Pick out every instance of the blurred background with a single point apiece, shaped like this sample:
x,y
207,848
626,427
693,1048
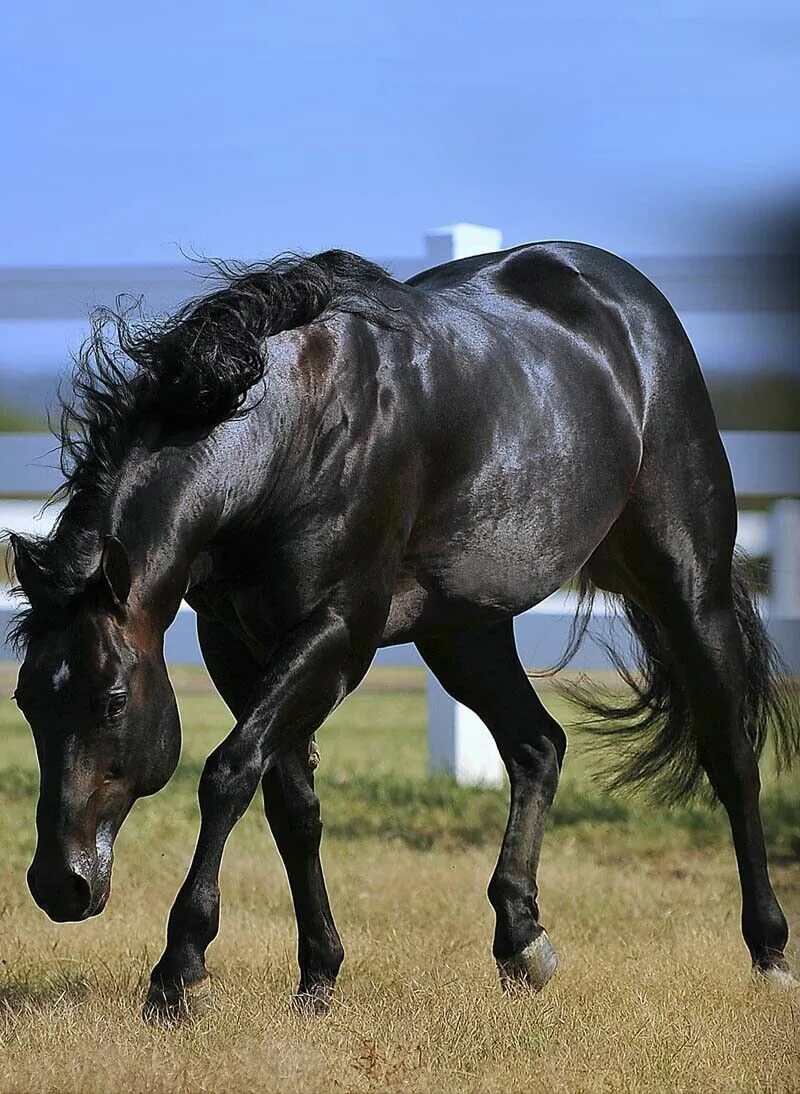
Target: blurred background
x,y
136,142
134,138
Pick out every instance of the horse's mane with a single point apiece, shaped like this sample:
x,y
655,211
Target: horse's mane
x,y
189,371
193,369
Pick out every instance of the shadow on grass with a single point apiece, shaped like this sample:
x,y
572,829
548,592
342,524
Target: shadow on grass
x,y
23,992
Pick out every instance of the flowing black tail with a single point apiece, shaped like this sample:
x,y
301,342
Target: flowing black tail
x,y
655,723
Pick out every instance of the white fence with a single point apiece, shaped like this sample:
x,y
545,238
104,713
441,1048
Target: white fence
x,y
765,465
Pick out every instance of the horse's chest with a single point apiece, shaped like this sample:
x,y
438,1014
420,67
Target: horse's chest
x,y
243,612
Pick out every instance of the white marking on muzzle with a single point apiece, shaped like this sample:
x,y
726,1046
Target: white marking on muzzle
x,y
61,675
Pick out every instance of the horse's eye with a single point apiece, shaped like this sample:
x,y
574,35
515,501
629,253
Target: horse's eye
x,y
116,705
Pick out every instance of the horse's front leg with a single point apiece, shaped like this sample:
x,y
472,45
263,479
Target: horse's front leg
x,y
320,663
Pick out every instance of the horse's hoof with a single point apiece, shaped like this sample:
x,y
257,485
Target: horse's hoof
x,y
777,975
313,1002
175,1004
531,968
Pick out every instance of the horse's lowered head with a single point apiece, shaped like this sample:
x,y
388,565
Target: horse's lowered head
x,y
95,690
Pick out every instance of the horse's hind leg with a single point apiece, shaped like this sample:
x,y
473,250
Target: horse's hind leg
x,y
670,556
292,809
482,670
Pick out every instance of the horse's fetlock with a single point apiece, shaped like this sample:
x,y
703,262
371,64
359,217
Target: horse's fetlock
x,y
179,969
320,960
766,935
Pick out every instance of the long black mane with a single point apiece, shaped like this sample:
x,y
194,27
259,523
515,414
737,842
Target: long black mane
x,y
188,371
193,369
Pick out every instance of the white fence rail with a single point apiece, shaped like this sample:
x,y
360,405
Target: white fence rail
x,y
765,466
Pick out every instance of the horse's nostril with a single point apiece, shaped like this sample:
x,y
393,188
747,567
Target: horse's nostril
x,y
78,895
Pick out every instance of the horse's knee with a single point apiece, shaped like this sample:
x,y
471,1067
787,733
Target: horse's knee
x,y
228,782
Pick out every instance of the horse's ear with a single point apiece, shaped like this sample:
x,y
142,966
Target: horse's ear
x,y
116,570
28,573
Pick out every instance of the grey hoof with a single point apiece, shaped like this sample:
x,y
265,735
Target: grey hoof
x,y
531,968
778,976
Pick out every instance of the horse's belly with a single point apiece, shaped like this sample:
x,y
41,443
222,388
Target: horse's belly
x,y
513,563
509,550
500,576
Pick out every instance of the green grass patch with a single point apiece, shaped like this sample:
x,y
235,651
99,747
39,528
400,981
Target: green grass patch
x,y
17,421
373,783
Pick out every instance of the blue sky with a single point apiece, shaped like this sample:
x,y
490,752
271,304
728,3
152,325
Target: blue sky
x,y
248,128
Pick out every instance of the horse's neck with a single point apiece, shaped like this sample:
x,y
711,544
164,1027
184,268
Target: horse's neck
x,y
166,507
168,503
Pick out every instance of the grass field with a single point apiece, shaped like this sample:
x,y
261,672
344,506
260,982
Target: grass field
x,y
653,992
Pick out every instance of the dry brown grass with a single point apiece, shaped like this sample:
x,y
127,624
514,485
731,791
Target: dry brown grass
x,y
653,993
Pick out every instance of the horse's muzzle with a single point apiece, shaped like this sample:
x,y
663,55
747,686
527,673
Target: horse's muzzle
x,y
68,892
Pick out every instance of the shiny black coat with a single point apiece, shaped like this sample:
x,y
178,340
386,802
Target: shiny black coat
x,y
457,470
324,461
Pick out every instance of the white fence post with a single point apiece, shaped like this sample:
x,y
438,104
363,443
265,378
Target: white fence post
x,y
785,559
459,744
460,241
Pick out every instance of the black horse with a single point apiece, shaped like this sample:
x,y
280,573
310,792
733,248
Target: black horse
x,y
322,461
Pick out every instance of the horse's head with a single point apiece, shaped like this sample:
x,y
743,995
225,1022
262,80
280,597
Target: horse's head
x,y
95,690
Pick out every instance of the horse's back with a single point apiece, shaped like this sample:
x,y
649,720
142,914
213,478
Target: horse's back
x,y
549,276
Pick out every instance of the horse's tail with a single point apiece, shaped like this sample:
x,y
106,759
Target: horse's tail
x,y
656,725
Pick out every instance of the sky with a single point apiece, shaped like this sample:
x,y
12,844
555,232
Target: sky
x,y
132,132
